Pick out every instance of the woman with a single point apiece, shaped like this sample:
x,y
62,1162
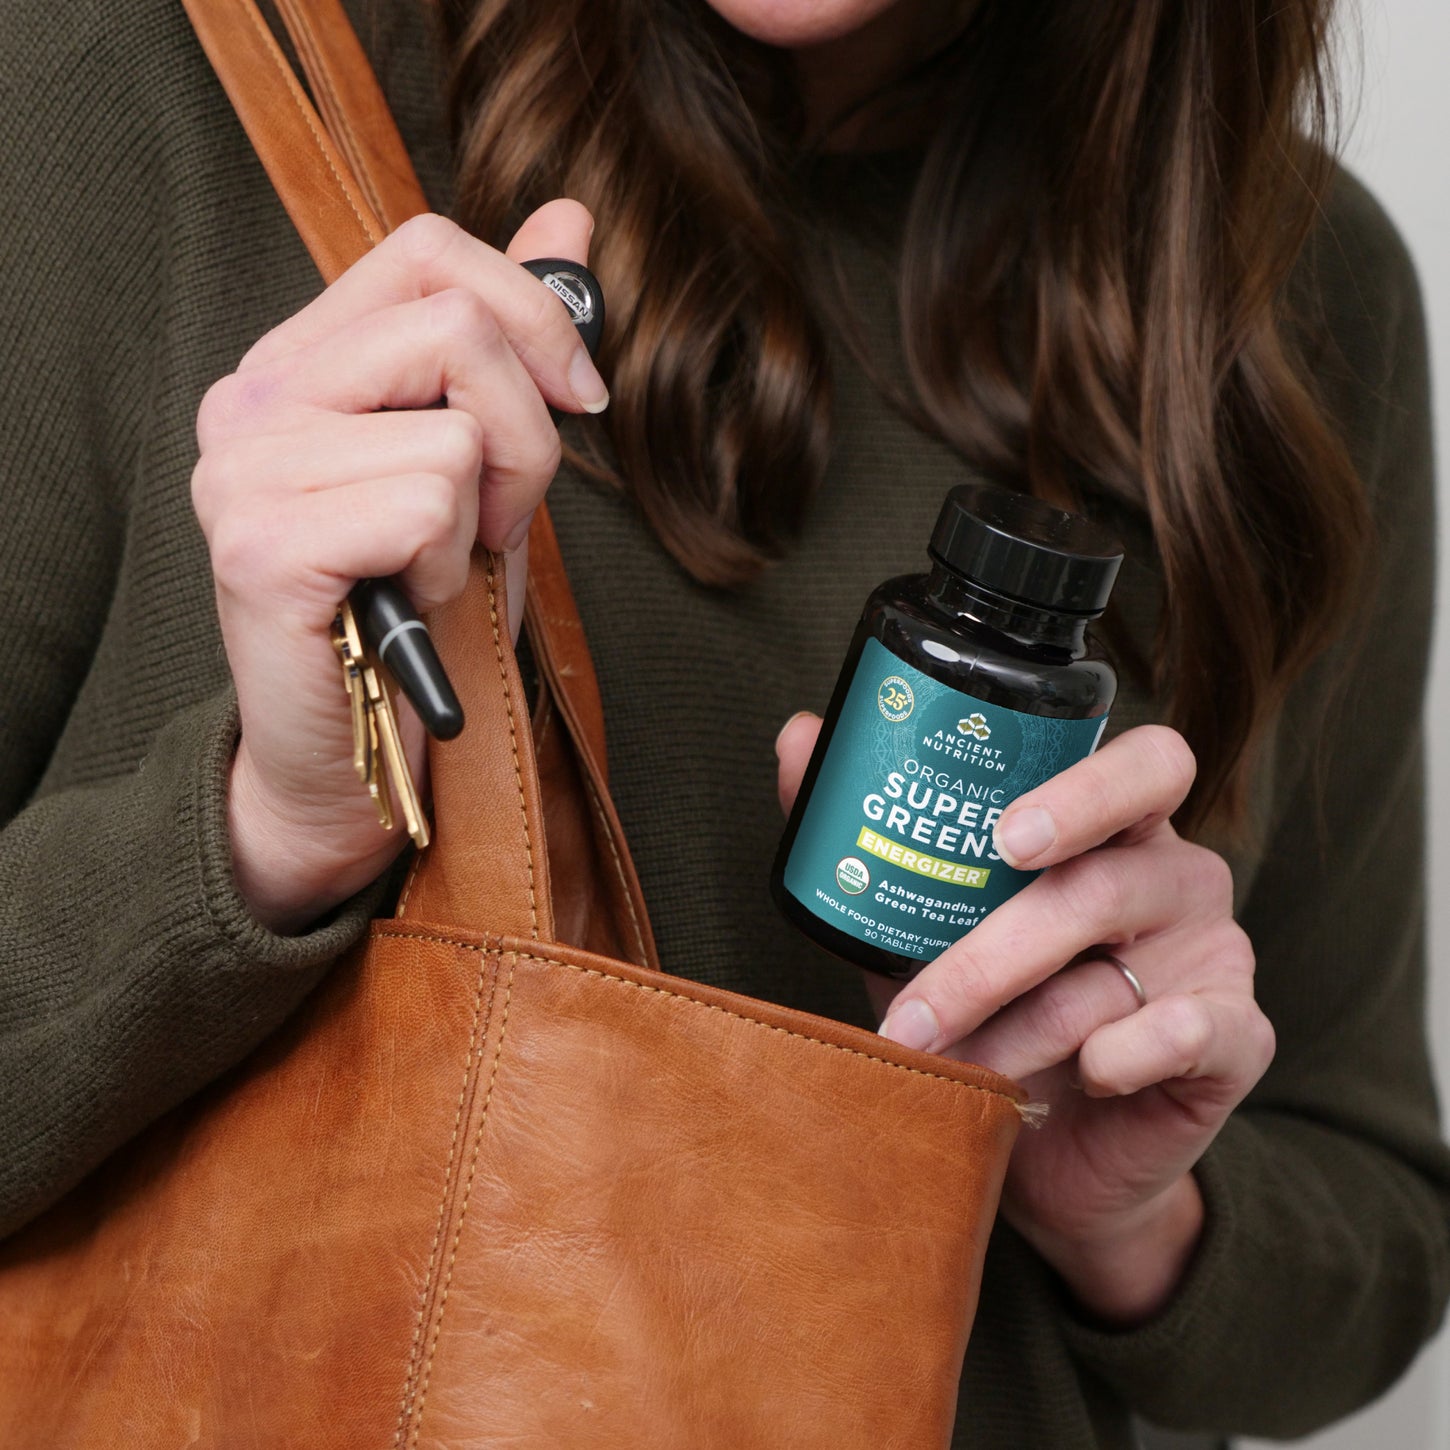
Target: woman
x,y
1096,215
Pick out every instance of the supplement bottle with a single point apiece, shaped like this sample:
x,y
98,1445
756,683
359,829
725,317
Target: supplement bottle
x,y
963,688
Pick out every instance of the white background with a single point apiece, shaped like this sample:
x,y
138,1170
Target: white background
x,y
1395,67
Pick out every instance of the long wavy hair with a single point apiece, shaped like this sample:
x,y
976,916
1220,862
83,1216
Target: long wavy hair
x,y
1092,292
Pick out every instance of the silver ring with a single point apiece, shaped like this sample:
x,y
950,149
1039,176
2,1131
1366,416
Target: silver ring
x,y
1129,975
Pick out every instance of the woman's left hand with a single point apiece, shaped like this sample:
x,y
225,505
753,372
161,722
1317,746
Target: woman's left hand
x,y
1137,1092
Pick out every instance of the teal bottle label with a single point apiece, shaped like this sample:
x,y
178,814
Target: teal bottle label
x,y
895,846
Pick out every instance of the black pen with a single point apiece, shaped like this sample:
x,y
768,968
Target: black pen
x,y
389,624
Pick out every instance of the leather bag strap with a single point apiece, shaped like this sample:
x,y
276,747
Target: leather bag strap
x,y
353,106
333,218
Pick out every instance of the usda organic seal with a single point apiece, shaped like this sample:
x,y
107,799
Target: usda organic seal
x,y
852,876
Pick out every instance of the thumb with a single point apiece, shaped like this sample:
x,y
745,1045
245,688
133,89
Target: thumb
x,y
793,748
559,228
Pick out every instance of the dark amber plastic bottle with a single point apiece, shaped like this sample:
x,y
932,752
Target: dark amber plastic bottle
x,y
963,688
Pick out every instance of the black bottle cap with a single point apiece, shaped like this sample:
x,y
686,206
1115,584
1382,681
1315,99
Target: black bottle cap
x,y
1014,544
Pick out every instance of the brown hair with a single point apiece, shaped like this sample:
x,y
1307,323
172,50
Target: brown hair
x,y
1135,177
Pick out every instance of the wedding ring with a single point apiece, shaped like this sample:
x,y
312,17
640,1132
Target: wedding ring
x,y
1129,975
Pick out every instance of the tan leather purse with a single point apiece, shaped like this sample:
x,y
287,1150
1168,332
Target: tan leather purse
x,y
489,1189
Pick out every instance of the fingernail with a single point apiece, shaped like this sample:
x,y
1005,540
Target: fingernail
x,y
913,1024
780,734
588,387
1022,836
519,533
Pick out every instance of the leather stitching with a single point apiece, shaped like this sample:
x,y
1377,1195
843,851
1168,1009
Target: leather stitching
x,y
294,90
463,1207
315,64
513,742
603,820
413,1350
447,941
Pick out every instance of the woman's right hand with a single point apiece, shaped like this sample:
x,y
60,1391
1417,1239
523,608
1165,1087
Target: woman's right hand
x,y
324,460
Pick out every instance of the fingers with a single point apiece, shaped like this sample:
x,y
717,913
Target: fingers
x,y
1047,1025
1116,894
405,357
335,449
1200,1036
559,228
430,254
1215,1049
793,748
1124,790
281,565
281,502
313,547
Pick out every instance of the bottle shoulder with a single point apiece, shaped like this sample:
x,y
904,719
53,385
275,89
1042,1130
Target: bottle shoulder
x,y
982,662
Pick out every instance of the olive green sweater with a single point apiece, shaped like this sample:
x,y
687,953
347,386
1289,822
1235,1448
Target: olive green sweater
x,y
142,252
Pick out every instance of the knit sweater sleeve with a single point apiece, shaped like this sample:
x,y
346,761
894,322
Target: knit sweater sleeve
x,y
1326,1260
130,970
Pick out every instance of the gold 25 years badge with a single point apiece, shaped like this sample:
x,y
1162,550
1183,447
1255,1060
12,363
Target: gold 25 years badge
x,y
894,698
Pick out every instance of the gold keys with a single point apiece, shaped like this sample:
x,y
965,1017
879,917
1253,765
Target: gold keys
x,y
377,748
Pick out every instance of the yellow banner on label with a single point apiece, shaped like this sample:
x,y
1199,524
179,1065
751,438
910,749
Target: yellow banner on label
x,y
952,872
